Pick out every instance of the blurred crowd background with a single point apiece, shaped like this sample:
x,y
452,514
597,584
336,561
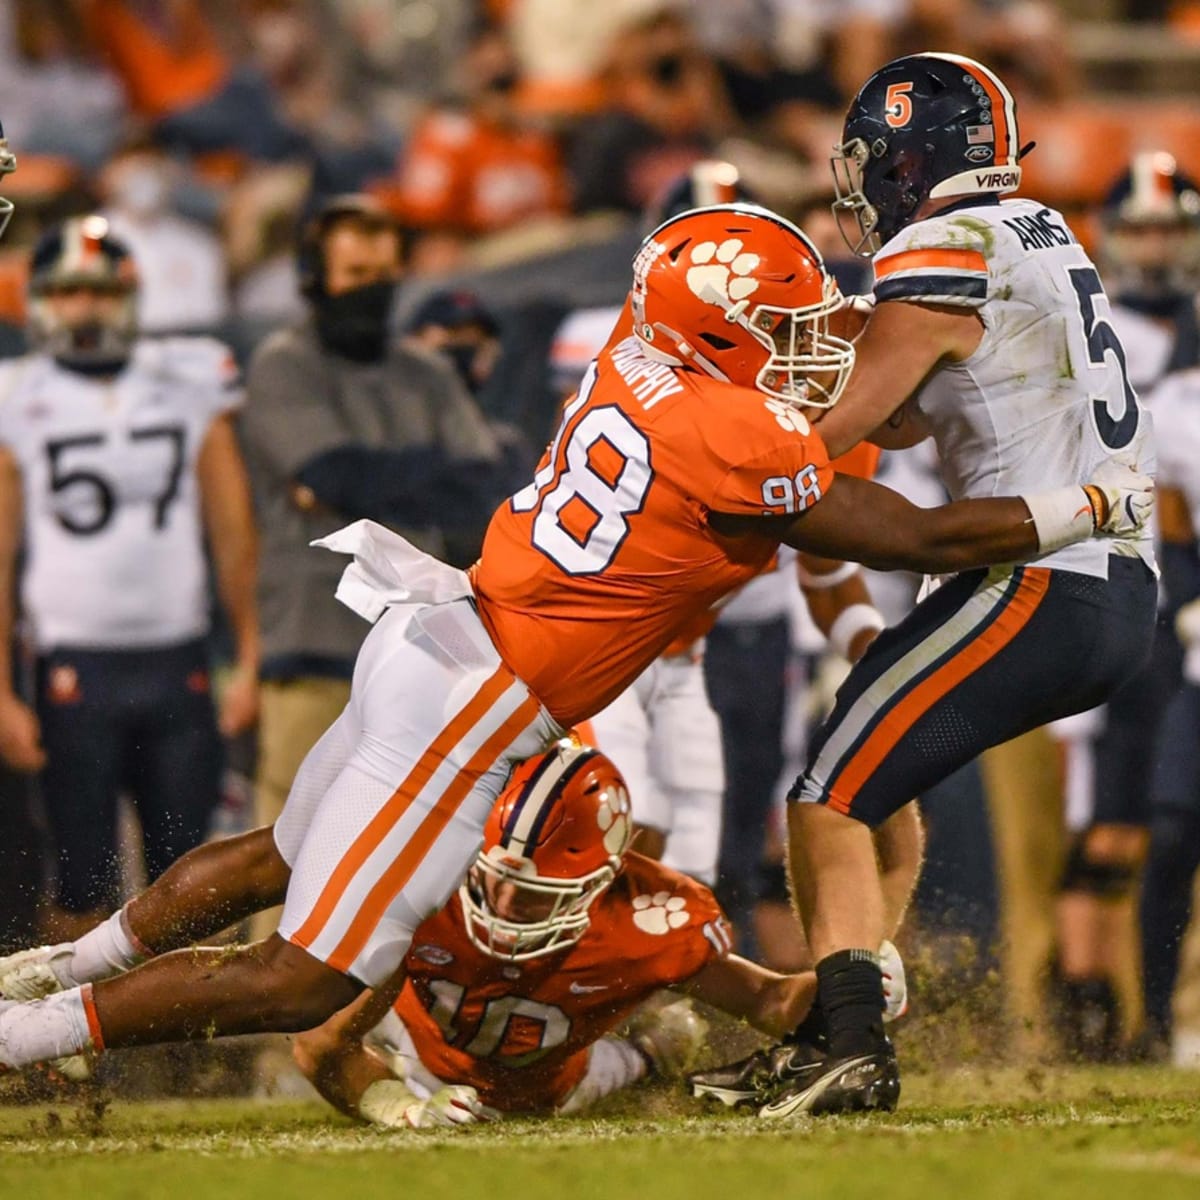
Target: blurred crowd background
x,y
517,144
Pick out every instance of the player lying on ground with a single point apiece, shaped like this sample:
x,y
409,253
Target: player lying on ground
x,y
556,938
682,464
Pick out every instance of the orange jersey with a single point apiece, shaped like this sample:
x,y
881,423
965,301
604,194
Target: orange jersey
x,y
519,1032
462,174
589,572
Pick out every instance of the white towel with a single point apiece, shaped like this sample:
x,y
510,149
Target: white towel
x,y
388,569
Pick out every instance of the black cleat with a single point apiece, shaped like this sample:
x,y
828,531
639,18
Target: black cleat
x,y
858,1083
756,1079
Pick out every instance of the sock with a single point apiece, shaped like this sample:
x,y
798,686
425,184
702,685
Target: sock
x,y
107,950
41,1030
613,1063
814,1029
850,991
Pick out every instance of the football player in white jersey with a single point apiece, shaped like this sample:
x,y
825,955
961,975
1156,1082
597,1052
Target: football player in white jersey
x,y
990,334
1150,260
117,460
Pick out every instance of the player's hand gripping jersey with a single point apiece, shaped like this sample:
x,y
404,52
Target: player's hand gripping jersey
x,y
1045,399
588,573
519,1032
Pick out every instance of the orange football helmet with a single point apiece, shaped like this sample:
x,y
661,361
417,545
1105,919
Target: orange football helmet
x,y
742,294
553,842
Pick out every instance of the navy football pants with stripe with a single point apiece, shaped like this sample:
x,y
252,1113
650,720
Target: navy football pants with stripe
x,y
990,655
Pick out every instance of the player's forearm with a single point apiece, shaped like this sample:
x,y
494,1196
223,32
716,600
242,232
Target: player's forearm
x,y
236,563
839,603
334,1060
964,535
784,1003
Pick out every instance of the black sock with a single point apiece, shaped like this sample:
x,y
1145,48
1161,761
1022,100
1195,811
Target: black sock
x,y
850,992
814,1029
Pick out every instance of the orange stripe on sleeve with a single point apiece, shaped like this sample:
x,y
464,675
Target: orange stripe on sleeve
x,y
390,883
911,260
397,804
901,719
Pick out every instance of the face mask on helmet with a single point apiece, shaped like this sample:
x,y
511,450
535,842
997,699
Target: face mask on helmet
x,y
552,844
925,127
1150,251
83,297
8,164
742,295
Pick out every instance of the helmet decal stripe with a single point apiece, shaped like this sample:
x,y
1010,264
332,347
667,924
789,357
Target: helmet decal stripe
x,y
538,798
1004,109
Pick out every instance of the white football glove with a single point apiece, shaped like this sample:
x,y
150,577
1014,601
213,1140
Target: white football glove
x,y
1128,496
668,1037
895,986
390,1103
455,1104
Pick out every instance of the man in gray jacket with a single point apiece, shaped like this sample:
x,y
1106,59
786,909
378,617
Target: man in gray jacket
x,y
344,421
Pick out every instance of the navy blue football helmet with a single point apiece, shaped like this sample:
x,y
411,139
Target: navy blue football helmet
x,y
1150,249
928,126
707,183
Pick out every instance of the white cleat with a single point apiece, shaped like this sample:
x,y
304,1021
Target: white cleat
x,y
30,974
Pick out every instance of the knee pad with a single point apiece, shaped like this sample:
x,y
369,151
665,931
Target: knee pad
x,y
1096,877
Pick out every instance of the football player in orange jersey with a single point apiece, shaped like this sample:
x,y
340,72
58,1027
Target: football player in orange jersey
x,y
683,463
554,940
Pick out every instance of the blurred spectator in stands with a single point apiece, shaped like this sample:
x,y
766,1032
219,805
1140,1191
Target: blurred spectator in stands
x,y
181,265
178,76
52,88
121,455
476,166
459,326
344,421
666,107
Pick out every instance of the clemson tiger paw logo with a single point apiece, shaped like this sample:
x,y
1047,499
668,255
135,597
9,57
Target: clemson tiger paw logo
x,y
659,913
613,817
724,269
789,417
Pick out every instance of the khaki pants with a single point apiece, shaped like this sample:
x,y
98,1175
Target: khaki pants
x,y
292,716
1024,788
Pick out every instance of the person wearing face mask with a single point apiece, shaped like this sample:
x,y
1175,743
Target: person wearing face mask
x,y
183,284
458,325
343,421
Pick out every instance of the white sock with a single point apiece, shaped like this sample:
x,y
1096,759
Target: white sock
x,y
55,1027
107,950
612,1064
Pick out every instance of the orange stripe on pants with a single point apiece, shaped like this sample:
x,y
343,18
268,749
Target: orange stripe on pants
x,y
397,804
901,719
418,846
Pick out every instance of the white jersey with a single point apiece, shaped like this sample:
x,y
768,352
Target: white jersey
x,y
114,548
1177,427
1148,345
1044,399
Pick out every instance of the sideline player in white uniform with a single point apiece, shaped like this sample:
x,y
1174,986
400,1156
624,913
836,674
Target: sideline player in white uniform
x,y
1150,261
990,333
117,459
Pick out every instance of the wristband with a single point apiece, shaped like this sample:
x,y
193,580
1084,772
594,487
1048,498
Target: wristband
x,y
829,579
1061,518
850,622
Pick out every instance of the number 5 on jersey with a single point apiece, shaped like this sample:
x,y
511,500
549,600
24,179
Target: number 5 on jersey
x,y
603,477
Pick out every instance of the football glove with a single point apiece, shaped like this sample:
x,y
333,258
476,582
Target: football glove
x,y
895,986
1122,497
668,1037
391,1104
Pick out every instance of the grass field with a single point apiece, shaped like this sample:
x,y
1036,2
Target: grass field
x,y
965,1133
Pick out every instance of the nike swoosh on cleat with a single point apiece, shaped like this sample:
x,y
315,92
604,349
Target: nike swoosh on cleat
x,y
803,1099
